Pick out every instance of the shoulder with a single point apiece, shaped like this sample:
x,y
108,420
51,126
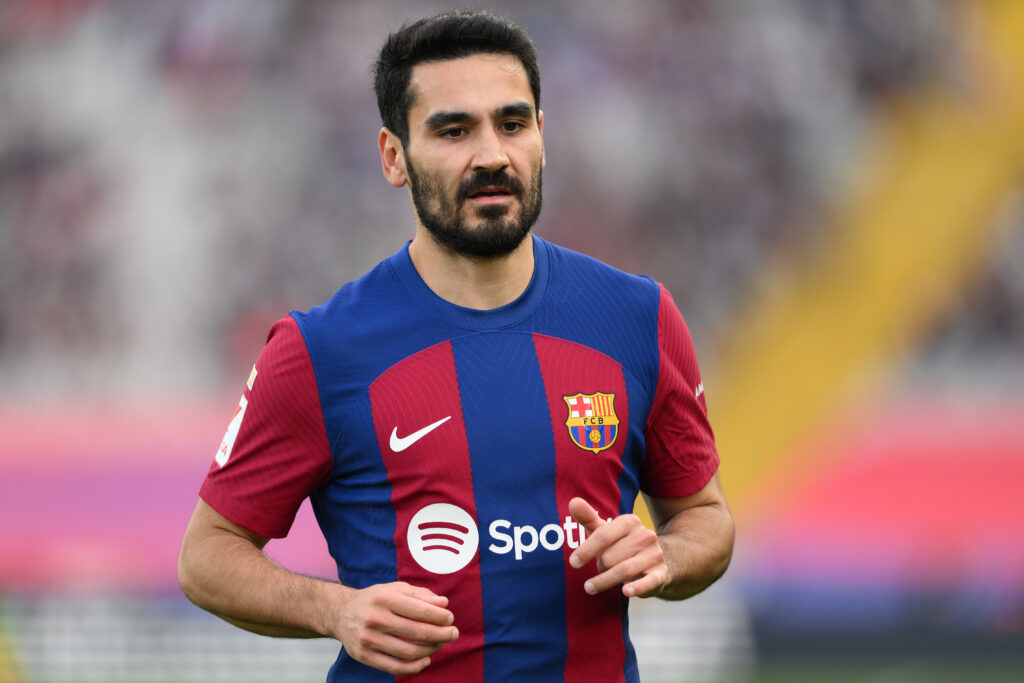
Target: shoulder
x,y
354,298
367,326
573,269
361,314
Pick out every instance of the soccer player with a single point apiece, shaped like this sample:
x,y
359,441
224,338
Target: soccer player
x,y
472,419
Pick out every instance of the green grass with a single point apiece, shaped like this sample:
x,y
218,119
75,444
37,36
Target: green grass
x,y
905,672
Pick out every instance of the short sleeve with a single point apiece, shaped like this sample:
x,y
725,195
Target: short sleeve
x,y
275,451
681,455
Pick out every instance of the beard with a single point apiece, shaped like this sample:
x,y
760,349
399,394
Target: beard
x,y
501,228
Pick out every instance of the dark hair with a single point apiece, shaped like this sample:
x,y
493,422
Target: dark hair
x,y
449,35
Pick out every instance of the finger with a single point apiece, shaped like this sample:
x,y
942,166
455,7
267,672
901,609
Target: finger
x,y
646,586
646,562
421,593
636,539
419,632
390,621
392,610
388,664
586,515
416,609
599,541
399,648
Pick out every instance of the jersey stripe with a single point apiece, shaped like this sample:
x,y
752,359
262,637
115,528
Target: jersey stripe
x,y
514,474
406,399
282,415
596,648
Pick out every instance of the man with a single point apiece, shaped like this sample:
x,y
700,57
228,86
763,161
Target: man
x,y
472,419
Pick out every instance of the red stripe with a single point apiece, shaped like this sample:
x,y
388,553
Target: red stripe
x,y
594,622
679,435
417,392
283,419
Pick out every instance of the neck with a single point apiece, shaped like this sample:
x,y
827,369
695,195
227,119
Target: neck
x,y
478,283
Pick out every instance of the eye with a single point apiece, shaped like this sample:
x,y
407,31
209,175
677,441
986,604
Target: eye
x,y
512,126
452,133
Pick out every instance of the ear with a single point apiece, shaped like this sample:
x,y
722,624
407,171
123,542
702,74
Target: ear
x,y
392,158
540,127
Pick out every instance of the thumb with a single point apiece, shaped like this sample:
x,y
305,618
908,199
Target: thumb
x,y
586,515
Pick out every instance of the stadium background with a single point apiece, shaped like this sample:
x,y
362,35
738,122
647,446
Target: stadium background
x,y
832,189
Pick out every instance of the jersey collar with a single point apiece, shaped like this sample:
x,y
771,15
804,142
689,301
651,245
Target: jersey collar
x,y
508,315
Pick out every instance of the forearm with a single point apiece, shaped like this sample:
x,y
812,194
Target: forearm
x,y
232,578
697,544
394,626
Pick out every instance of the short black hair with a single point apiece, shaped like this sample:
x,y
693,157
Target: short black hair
x,y
449,35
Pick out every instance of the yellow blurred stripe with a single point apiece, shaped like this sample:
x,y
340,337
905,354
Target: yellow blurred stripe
x,y
909,236
8,665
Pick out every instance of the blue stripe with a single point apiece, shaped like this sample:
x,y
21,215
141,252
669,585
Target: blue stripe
x,y
629,488
512,453
356,512
633,445
630,668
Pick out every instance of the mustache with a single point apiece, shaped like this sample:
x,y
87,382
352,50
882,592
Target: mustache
x,y
481,180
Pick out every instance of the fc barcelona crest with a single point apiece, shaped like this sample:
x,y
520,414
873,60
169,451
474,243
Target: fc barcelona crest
x,y
592,422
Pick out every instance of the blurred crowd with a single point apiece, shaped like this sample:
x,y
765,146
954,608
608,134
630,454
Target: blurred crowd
x,y
174,176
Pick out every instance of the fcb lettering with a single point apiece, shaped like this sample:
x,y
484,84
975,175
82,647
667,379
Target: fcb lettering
x,y
592,422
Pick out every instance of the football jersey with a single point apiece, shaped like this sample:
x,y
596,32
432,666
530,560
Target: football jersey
x,y
440,446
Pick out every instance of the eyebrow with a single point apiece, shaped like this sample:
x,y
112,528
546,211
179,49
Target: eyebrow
x,y
440,119
519,109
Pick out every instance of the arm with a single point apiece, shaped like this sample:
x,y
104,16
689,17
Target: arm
x,y
696,535
690,550
393,627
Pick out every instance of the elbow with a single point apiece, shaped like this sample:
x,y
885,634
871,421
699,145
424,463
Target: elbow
x,y
185,580
728,536
720,555
188,579
730,540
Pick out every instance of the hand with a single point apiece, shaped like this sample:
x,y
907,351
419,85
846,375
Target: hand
x,y
395,627
627,553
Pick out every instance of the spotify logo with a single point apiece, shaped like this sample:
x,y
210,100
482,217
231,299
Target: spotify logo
x,y
443,538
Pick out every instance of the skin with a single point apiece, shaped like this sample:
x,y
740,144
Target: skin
x,y
689,551
393,627
469,114
485,88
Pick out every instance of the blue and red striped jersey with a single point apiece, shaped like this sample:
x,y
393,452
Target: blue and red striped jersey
x,y
441,445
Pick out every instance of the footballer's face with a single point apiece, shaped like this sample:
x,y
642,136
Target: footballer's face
x,y
475,153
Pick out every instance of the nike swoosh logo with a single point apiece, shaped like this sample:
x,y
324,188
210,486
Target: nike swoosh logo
x,y
399,444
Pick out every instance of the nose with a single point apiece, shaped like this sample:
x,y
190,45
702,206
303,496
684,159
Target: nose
x,y
490,154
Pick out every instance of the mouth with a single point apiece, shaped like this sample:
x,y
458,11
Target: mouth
x,y
491,194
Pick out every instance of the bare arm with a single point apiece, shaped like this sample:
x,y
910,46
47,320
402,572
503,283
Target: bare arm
x,y
393,627
689,551
696,535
